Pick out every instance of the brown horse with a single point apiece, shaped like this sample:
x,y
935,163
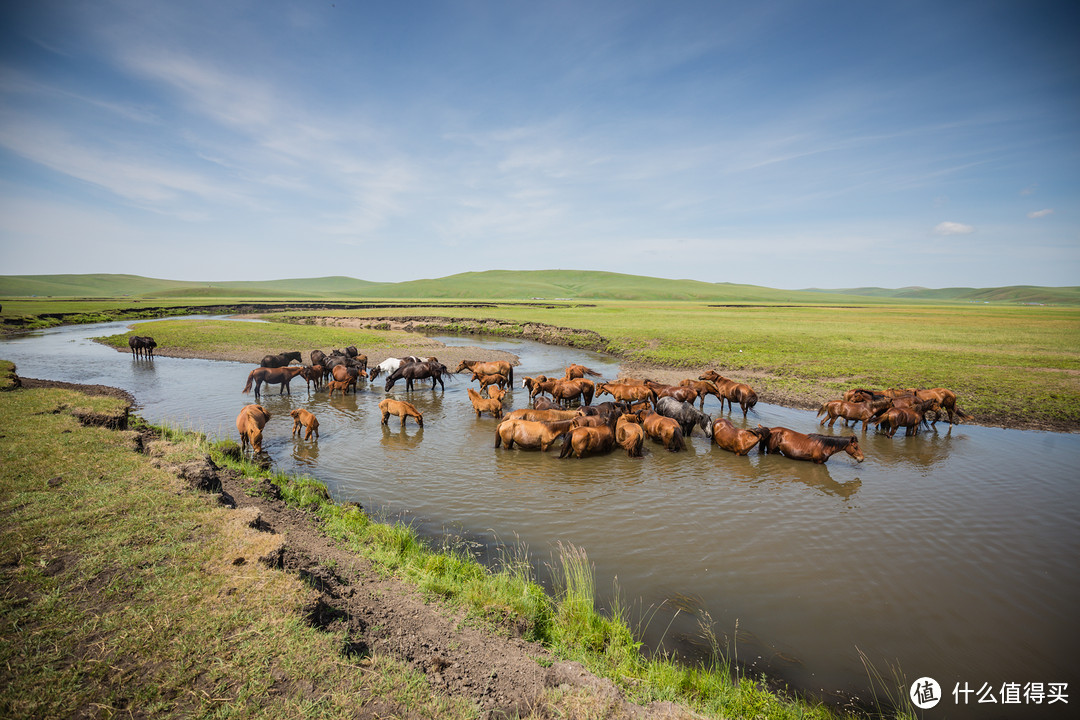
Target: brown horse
x,y
489,379
737,440
281,359
537,385
250,423
911,418
679,392
313,374
581,441
272,376
341,386
543,403
529,434
496,393
864,411
704,387
733,392
302,417
629,434
553,415
573,372
664,430
624,392
946,399
348,374
402,409
483,404
493,367
566,391
813,447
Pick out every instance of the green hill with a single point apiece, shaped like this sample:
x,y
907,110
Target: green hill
x,y
507,285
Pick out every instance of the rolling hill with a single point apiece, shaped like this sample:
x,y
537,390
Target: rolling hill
x,y
507,285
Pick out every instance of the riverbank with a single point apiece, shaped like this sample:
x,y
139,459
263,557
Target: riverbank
x,y
160,590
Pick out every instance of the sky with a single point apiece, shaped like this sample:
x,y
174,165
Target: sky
x,y
785,144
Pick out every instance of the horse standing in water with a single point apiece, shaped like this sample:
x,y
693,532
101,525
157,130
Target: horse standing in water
x,y
281,360
273,376
739,441
813,447
142,346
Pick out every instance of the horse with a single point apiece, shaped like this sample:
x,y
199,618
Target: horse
x,y
250,423
318,357
849,411
487,380
946,399
910,418
686,415
541,415
739,441
537,385
273,376
492,367
391,364
679,392
312,374
281,359
625,392
142,346
402,409
353,354
663,429
813,447
629,434
300,417
582,440
733,392
418,371
341,386
530,434
605,409
483,404
574,372
543,403
348,374
581,390
704,387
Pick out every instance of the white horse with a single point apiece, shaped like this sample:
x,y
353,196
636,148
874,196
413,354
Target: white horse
x,y
390,365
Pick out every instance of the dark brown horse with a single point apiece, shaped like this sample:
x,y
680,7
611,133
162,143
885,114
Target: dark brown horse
x,y
142,346
412,372
580,390
582,441
281,359
679,392
909,417
273,376
739,441
537,385
704,387
813,447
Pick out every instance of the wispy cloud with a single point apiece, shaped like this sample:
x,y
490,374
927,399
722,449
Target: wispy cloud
x,y
953,228
1040,213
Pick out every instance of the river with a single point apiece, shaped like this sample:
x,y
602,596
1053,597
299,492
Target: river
x,y
951,554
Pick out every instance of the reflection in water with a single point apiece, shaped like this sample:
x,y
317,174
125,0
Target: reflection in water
x,y
941,545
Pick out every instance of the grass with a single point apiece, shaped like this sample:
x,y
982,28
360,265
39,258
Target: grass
x,y
121,592
224,337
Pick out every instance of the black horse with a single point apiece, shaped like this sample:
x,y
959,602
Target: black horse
x,y
142,346
281,360
685,414
419,371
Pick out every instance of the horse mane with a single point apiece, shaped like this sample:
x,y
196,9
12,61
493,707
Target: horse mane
x,y
833,441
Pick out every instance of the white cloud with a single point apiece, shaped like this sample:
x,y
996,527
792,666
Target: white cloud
x,y
953,228
1040,213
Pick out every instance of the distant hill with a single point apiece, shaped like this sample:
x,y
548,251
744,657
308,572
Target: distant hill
x,y
507,285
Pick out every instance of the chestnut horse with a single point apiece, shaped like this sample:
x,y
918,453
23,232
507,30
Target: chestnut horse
x,y
302,417
849,411
679,392
273,376
624,392
581,441
573,372
402,409
733,392
250,423
542,415
489,379
813,447
629,434
663,429
945,398
704,387
911,418
494,367
739,441
581,390
529,434
483,404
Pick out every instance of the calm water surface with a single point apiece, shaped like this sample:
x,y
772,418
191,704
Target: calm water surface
x,y
951,554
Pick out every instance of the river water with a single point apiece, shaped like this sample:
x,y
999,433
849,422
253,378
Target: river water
x,y
951,554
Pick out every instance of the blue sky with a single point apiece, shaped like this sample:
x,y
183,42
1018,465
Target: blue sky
x,y
786,144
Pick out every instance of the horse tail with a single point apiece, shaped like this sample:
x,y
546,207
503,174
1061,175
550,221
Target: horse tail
x,y
763,444
677,441
821,409
251,377
567,446
510,375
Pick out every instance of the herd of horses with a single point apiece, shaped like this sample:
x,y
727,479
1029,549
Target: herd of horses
x,y
562,409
